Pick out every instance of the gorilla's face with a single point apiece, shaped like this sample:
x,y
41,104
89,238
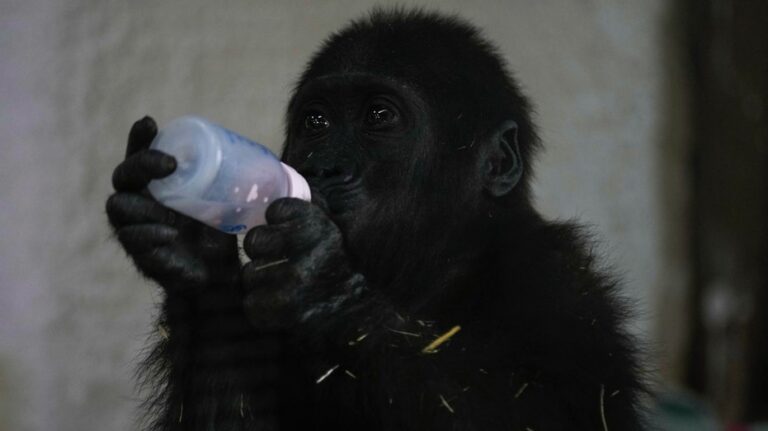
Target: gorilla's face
x,y
357,138
409,129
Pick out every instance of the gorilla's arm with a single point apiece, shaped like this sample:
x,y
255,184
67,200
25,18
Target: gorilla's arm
x,y
208,364
365,359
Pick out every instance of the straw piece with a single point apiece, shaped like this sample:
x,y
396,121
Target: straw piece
x,y
520,391
327,373
270,264
602,407
358,339
445,404
441,339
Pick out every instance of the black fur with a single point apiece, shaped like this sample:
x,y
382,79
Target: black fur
x,y
326,327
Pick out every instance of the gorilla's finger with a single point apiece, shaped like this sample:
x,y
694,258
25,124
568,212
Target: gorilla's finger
x,y
141,238
307,232
135,172
141,135
267,241
132,208
170,266
319,200
287,209
267,275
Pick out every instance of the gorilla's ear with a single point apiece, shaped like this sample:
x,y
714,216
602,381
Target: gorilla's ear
x,y
503,165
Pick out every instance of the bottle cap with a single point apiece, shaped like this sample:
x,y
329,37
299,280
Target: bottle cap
x,y
298,187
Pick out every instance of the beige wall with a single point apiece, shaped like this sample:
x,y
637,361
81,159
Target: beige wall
x,y
75,74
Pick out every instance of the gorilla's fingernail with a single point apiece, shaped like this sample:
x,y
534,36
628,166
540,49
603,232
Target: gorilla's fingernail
x,y
169,163
149,123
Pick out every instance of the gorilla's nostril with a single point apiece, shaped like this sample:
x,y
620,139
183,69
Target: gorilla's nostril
x,y
327,172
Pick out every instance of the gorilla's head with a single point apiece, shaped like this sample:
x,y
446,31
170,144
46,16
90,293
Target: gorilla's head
x,y
410,126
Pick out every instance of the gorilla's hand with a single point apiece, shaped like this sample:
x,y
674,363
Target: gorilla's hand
x,y
299,269
178,252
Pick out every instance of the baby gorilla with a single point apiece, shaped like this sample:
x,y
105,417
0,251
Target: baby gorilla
x,y
419,290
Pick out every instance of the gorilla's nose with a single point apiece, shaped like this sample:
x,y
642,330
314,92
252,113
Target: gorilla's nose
x,y
335,173
324,171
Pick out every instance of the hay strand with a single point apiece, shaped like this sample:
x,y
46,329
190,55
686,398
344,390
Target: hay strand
x,y
445,404
327,373
270,264
521,390
432,347
602,407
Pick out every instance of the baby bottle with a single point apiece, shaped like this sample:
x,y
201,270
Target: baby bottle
x,y
221,179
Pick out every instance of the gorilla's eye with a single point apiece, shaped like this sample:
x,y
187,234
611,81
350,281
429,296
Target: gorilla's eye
x,y
381,116
316,122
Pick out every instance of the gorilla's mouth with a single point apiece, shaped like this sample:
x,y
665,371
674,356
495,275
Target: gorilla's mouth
x,y
340,193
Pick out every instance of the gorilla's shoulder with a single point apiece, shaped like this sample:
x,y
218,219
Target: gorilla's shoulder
x,y
565,247
560,262
562,301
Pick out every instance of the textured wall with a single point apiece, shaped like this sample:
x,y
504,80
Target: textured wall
x,y
75,74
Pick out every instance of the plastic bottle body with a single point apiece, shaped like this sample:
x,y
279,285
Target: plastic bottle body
x,y
222,178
